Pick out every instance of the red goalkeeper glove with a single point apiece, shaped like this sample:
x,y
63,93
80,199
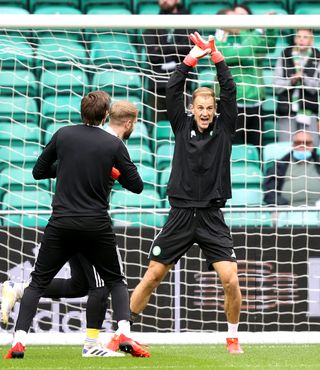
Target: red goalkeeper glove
x,y
196,53
216,56
115,173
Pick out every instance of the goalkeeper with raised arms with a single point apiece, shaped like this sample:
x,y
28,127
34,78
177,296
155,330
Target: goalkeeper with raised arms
x,y
199,185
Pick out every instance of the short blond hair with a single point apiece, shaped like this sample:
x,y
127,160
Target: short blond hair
x,y
203,91
123,111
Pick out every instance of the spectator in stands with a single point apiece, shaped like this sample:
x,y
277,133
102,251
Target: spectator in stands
x,y
165,49
242,9
294,179
297,81
242,50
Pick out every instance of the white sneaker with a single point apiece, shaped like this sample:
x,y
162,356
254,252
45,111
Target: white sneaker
x,y
98,351
10,292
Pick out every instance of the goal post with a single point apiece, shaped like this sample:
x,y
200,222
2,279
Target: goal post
x,y
47,63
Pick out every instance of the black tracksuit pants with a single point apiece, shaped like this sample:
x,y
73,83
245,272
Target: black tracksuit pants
x,y
59,245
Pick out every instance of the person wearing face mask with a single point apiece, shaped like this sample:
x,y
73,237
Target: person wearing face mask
x,y
294,179
199,185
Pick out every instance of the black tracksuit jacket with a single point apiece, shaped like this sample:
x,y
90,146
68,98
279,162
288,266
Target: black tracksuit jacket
x,y
200,175
81,158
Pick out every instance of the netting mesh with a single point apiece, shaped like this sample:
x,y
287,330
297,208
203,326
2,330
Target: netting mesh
x,y
43,76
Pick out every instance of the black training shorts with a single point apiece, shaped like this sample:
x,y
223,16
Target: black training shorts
x,y
187,226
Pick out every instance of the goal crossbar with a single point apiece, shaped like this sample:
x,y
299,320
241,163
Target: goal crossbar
x,y
132,21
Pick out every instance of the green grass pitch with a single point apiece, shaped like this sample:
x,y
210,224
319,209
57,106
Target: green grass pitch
x,y
264,357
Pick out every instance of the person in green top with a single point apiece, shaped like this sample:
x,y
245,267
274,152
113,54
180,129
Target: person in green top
x,y
244,50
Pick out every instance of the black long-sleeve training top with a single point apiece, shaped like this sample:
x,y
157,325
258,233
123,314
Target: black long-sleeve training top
x,y
81,158
200,175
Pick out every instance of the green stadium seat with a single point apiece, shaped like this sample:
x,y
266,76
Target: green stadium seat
x,y
13,179
26,220
23,110
264,7
164,155
149,176
317,41
296,5
37,200
162,134
14,4
307,8
109,36
269,105
114,51
118,83
17,134
267,81
59,51
15,52
27,199
245,197
56,9
245,153
246,175
274,4
148,199
64,82
298,218
275,151
139,219
86,5
274,53
18,82
35,4
269,134
248,219
206,77
60,109
141,154
207,8
10,7
20,155
226,3
109,9
146,7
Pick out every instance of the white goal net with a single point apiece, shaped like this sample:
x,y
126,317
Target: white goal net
x,y
48,63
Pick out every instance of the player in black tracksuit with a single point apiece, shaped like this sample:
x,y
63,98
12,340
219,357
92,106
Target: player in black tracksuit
x,y
199,186
81,157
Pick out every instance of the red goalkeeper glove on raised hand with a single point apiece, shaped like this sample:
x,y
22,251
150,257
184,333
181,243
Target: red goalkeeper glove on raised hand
x,y
216,56
196,53
115,173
